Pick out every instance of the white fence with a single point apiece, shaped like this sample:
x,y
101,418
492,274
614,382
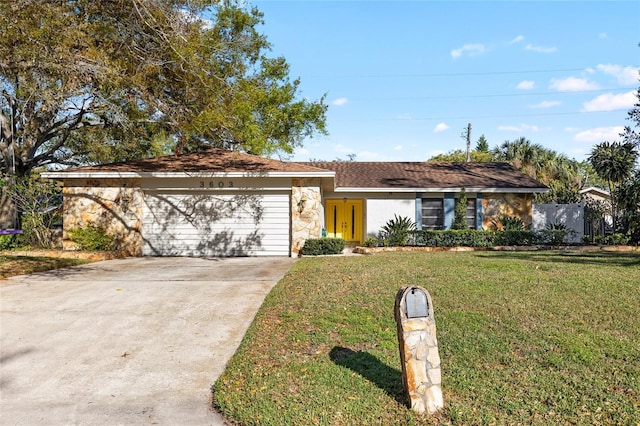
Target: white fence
x,y
570,215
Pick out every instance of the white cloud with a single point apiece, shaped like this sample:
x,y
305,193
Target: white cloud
x,y
603,35
540,49
518,39
471,49
610,102
599,134
397,148
520,128
624,75
545,104
572,84
441,127
340,102
526,85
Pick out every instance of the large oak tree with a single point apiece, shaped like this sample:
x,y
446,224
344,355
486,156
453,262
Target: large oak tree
x,y
87,81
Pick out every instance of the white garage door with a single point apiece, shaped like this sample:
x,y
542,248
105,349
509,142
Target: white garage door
x,y
229,224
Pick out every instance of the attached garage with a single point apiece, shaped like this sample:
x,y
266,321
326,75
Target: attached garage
x,y
229,224
210,203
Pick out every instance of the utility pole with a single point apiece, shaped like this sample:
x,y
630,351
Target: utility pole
x,y
468,157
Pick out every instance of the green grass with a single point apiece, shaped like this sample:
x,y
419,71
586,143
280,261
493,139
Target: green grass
x,y
524,338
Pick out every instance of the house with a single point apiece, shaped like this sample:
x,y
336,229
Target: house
x,y
223,203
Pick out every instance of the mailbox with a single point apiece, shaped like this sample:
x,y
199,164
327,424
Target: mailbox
x,y
416,303
418,347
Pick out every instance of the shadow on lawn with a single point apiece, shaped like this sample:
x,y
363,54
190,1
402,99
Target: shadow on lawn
x,y
627,259
371,368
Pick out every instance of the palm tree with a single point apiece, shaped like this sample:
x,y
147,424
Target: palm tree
x,y
614,162
555,170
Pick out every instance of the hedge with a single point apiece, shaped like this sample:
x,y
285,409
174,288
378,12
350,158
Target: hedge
x,y
319,246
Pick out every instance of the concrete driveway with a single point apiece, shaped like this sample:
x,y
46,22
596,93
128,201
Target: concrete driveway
x,y
130,341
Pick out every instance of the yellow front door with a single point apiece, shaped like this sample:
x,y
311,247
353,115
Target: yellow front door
x,y
344,219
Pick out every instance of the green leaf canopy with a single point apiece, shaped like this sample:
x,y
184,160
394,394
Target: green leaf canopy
x,y
86,81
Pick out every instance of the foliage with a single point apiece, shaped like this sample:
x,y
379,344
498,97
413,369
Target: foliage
x,y
105,80
628,198
322,246
565,177
616,240
556,233
630,135
396,231
521,338
10,242
371,242
594,212
37,202
454,238
482,145
476,238
614,162
508,223
460,212
562,175
92,238
459,156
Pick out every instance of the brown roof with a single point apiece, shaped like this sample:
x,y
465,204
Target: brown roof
x,y
212,160
390,175
382,175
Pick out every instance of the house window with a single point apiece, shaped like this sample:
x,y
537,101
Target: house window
x,y
471,213
432,213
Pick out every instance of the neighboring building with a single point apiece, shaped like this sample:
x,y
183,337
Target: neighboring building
x,y
597,226
222,203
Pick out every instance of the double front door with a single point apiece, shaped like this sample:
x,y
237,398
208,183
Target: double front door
x,y
344,219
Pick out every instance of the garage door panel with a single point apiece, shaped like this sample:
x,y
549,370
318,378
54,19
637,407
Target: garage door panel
x,y
216,225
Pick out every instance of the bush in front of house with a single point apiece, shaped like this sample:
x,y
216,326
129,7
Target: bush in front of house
x,y
92,238
454,238
555,233
475,238
320,246
397,231
10,242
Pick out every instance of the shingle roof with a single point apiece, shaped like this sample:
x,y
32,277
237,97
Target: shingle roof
x,y
212,160
425,175
364,175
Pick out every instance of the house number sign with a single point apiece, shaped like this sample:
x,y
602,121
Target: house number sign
x,y
214,184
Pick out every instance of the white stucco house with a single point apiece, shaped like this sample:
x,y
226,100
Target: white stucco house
x,y
223,203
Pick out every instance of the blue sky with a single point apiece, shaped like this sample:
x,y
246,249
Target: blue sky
x,y
403,78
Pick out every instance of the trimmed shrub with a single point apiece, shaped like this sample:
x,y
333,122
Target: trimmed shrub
x,y
320,246
371,242
454,238
516,238
617,240
92,238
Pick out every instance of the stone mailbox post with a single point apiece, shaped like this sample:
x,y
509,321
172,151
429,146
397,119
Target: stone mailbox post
x,y
418,349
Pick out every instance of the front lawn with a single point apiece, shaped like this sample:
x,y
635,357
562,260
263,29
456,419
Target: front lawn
x,y
524,338
20,265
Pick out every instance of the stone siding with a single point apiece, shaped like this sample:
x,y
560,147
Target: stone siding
x,y
113,204
495,206
306,212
